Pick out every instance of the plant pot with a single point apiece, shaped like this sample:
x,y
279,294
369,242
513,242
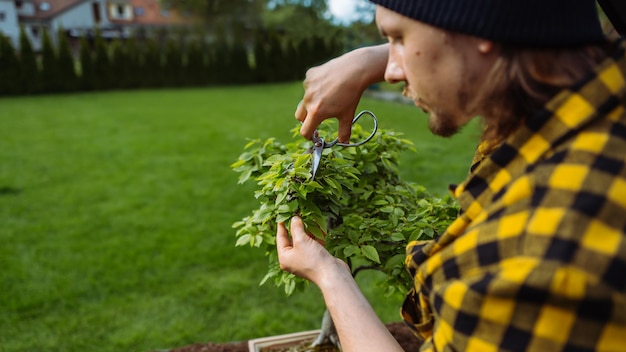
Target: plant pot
x,y
300,341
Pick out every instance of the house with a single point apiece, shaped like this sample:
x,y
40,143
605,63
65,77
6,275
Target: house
x,y
113,18
9,25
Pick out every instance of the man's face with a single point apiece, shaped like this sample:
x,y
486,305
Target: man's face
x,y
439,68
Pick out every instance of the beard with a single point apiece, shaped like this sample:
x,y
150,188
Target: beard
x,y
440,123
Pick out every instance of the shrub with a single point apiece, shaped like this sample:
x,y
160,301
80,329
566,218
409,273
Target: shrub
x,y
195,69
87,68
65,68
104,76
9,66
173,64
357,204
30,80
50,78
152,69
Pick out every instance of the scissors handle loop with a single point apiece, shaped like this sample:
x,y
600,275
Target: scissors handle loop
x,y
356,144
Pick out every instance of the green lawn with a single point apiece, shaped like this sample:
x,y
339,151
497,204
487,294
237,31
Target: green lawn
x,y
116,212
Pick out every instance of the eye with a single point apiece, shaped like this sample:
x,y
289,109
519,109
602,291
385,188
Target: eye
x,y
393,34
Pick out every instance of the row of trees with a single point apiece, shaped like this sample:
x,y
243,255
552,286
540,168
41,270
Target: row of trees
x,y
173,60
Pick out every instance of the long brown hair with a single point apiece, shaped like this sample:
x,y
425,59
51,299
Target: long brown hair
x,y
523,80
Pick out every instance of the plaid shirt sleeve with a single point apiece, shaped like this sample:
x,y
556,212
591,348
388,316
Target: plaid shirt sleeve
x,y
537,259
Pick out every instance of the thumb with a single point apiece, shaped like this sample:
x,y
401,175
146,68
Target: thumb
x,y
282,237
298,233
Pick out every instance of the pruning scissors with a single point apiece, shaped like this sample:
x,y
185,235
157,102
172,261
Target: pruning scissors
x,y
319,144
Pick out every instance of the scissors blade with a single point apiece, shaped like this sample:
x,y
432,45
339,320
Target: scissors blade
x,y
317,157
316,151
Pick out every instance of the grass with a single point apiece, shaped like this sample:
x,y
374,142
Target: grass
x,y
116,212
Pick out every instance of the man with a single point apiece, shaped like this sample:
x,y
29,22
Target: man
x,y
536,259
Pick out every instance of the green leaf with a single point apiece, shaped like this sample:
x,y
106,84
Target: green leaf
x,y
278,185
397,237
394,220
267,276
423,203
314,185
415,235
243,240
370,253
301,191
280,197
302,160
351,250
290,287
251,143
237,164
293,206
396,260
388,209
332,183
283,208
316,231
244,176
303,173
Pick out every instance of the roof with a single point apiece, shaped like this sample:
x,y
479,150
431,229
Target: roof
x,y
150,12
145,12
45,9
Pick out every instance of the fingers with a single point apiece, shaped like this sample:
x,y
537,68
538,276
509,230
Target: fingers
x,y
290,250
297,234
345,128
297,229
311,115
300,111
282,237
308,123
308,127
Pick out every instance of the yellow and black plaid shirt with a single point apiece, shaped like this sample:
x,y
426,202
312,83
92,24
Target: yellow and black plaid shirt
x,y
537,259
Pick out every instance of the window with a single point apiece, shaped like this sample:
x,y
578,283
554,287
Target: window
x,y
18,4
3,16
95,7
139,11
120,11
35,31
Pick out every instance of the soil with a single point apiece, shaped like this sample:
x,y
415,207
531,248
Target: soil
x,y
401,332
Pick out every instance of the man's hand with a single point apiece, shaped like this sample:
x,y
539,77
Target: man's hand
x,y
302,254
334,89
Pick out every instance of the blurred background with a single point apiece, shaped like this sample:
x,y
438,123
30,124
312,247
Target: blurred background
x,y
52,46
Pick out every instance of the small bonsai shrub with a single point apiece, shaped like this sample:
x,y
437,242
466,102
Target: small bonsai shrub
x,y
357,205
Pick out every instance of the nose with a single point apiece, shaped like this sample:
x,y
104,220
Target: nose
x,y
394,72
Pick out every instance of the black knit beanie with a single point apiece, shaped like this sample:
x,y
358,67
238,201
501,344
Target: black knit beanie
x,y
539,23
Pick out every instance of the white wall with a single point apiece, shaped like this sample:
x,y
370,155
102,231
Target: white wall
x,y
80,16
9,25
27,8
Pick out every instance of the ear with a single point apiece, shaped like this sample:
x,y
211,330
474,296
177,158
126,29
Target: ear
x,y
485,46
